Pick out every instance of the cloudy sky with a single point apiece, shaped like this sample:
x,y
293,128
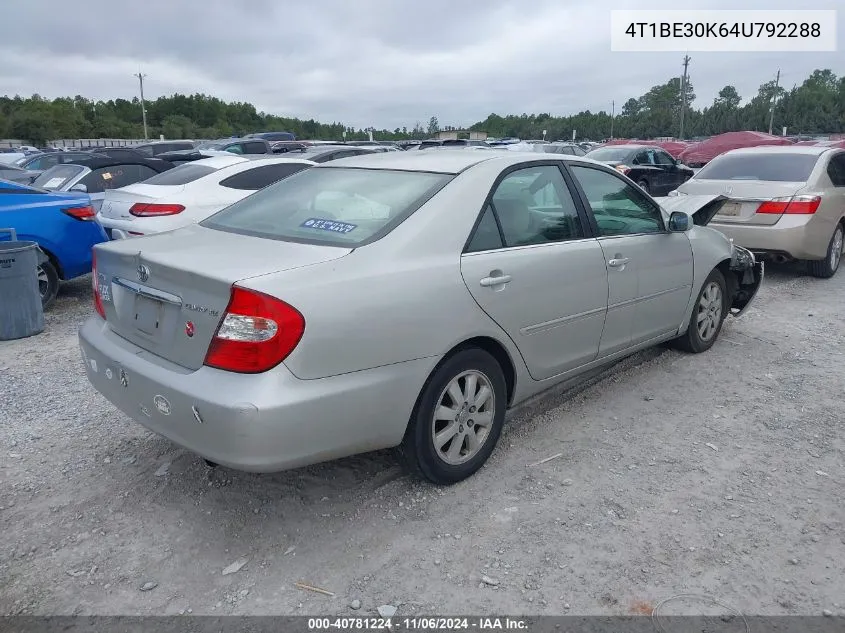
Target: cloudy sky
x,y
385,63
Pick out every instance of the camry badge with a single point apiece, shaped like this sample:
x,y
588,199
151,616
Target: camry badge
x,y
189,329
143,273
162,405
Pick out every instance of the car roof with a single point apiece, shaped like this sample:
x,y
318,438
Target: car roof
x,y
782,149
175,140
219,162
451,162
97,162
631,147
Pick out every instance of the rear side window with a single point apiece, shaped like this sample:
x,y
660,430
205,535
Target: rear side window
x,y
260,177
780,167
181,175
146,150
836,170
331,206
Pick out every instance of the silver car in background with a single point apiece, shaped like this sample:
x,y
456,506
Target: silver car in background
x,y
783,202
402,299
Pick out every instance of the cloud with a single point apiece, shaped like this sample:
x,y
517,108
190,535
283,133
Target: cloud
x,y
385,63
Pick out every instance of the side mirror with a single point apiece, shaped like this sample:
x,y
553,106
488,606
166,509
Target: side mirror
x,y
679,222
80,187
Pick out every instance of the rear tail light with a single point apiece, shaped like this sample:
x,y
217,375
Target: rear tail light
x,y
257,333
81,213
147,210
623,169
95,286
797,205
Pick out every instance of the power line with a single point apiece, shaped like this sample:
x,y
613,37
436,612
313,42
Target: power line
x,y
143,105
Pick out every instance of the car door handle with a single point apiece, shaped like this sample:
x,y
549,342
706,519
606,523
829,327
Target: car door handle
x,y
495,281
618,262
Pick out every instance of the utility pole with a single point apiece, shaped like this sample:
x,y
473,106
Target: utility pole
x,y
143,105
774,98
684,94
612,115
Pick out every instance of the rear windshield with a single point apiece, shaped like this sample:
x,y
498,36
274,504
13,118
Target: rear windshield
x,y
770,167
609,153
56,177
181,175
331,206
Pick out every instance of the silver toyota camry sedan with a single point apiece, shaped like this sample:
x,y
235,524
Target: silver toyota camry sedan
x,y
405,299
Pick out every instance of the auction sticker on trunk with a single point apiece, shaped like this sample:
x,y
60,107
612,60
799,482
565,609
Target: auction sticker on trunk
x,y
328,225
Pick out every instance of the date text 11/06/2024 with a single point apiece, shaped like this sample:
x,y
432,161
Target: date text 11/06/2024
x,y
418,624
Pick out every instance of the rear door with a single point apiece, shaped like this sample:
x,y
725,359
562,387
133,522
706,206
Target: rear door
x,y
672,176
650,270
533,266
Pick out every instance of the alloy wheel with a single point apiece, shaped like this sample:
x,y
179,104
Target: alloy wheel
x,y
463,417
709,311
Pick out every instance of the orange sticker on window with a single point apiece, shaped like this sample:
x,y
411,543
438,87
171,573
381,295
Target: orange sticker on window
x,y
107,176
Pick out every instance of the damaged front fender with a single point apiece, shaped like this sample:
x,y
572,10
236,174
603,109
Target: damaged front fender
x,y
746,279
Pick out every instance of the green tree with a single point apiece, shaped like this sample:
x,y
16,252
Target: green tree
x,y
433,125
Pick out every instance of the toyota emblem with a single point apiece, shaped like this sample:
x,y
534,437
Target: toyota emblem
x,y
189,329
143,273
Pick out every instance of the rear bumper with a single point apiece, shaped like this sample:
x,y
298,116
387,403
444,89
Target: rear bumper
x,y
262,422
798,237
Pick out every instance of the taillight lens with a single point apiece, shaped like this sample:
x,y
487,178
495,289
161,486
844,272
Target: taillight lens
x,y
95,286
257,333
81,213
624,169
798,205
147,210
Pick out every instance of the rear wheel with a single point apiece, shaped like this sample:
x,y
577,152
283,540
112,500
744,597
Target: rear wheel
x,y
827,267
458,418
707,316
643,184
48,283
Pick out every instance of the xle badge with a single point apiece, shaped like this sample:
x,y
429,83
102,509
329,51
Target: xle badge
x,y
124,379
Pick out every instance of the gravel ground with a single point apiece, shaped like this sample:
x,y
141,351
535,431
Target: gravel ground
x,y
719,474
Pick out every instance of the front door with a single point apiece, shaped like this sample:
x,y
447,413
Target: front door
x,y
533,268
650,270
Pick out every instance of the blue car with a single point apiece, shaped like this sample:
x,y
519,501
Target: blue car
x,y
62,223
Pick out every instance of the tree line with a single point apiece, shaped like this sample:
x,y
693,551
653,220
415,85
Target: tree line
x,y
816,106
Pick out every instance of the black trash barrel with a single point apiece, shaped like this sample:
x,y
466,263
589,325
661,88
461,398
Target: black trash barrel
x,y
21,313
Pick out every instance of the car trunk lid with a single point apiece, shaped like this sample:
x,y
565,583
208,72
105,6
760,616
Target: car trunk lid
x,y
167,293
117,202
702,208
743,198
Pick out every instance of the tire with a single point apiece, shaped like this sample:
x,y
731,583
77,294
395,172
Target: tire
x,y
827,267
48,283
643,184
456,458
702,332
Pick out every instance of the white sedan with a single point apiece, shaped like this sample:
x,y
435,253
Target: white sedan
x,y
190,193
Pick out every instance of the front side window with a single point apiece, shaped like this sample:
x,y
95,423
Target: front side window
x,y
330,206
534,206
619,208
235,149
662,158
43,162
